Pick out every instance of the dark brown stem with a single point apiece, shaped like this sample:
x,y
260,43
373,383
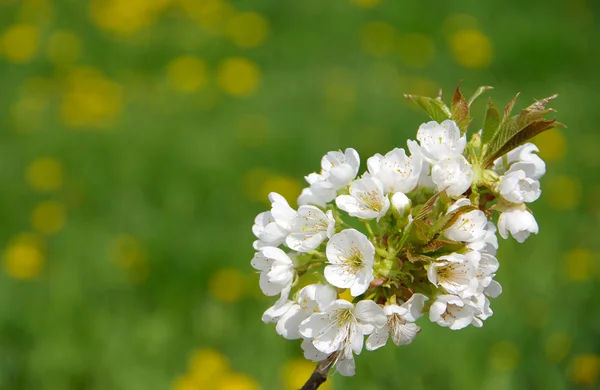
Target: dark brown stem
x,y
319,375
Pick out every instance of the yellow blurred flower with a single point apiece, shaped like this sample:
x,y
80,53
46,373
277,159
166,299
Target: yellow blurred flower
x,y
297,371
207,363
252,130
211,15
227,285
346,295
456,22
247,29
64,47
48,217
126,17
19,43
471,48
365,3
90,99
184,383
563,192
23,258
237,381
552,145
378,38
238,76
416,50
131,256
45,174
585,369
580,264
504,356
286,186
187,73
557,346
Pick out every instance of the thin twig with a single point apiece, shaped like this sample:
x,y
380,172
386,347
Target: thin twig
x,y
319,375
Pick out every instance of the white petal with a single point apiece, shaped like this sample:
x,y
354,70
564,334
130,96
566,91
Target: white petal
x,y
346,367
311,327
368,312
378,338
288,325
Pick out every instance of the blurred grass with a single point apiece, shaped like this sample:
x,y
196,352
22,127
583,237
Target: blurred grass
x,y
139,138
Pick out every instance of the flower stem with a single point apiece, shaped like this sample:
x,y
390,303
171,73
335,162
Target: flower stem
x,y
319,375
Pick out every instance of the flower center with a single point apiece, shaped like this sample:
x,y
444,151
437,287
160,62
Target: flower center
x,y
372,200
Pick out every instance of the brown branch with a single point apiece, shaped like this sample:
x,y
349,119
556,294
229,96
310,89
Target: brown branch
x,y
319,375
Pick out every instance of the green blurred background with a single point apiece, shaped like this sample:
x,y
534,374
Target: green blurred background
x,y
139,138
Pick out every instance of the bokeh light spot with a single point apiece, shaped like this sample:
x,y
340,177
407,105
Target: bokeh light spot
x,y
45,174
23,260
227,285
130,255
237,381
563,193
187,73
238,76
19,43
48,217
206,365
557,346
552,145
416,50
585,369
247,29
471,48
579,264
504,356
90,99
378,38
346,295
64,47
286,186
457,22
297,371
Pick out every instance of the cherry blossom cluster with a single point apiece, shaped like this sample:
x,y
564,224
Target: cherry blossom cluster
x,y
413,235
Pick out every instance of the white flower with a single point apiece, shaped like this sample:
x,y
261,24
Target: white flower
x,y
276,270
400,323
280,307
453,174
401,203
489,242
486,270
518,222
342,326
425,180
311,299
281,211
310,228
268,232
517,186
337,171
345,366
456,273
441,140
366,199
310,196
351,256
483,307
523,153
453,312
469,227
396,171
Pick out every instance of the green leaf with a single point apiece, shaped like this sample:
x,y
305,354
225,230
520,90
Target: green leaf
x,y
436,244
418,257
525,135
491,123
509,132
477,93
436,109
423,231
428,206
460,111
